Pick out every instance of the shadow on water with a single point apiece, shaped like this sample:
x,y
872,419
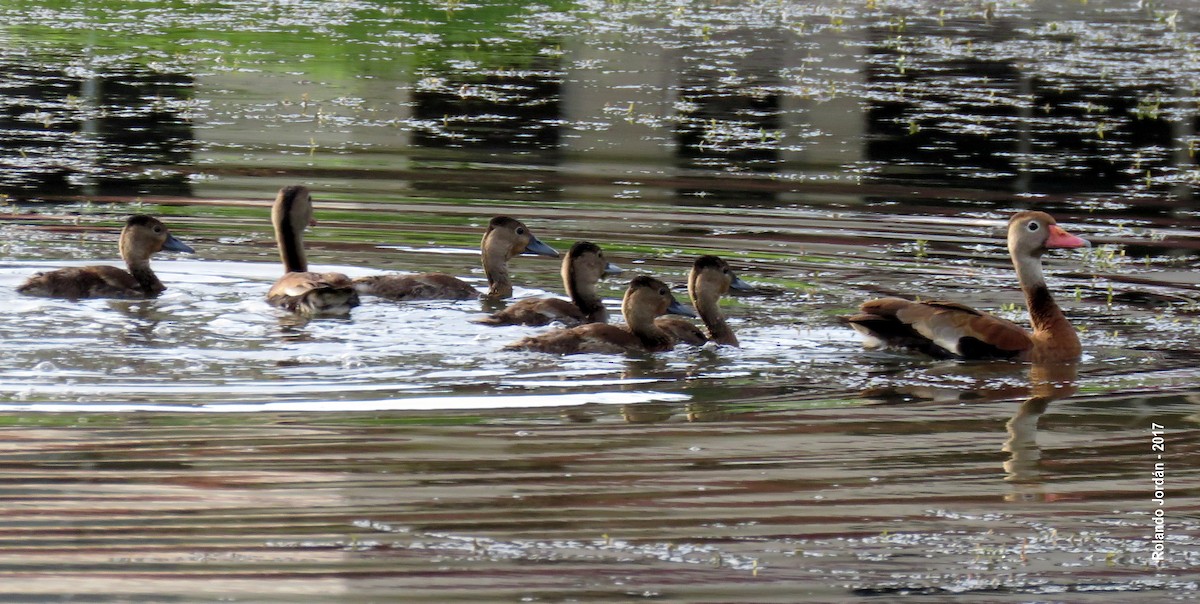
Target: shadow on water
x,y
203,445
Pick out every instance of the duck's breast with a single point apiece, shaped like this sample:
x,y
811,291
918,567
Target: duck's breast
x,y
681,330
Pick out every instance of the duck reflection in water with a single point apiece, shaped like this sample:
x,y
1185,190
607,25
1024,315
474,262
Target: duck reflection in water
x,y
1048,383
648,413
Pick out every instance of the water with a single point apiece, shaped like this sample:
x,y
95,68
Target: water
x,y
203,445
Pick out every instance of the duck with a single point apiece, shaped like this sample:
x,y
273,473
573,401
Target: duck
x,y
709,279
504,239
645,299
582,267
298,290
952,330
141,237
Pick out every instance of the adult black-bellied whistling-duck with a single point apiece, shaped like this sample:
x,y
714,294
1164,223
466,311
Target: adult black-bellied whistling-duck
x,y
504,239
141,237
299,291
645,299
582,268
948,329
709,279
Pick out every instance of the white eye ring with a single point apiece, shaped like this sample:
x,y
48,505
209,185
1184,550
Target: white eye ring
x,y
1033,226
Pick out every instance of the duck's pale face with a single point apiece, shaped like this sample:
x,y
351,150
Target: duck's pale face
x,y
143,240
650,298
589,266
299,210
710,282
505,241
646,301
1032,233
518,239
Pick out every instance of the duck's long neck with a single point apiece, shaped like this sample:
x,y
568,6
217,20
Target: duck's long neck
x,y
709,308
495,267
290,238
147,279
1044,314
138,262
140,269
583,294
641,324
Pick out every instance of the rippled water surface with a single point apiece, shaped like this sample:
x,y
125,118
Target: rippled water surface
x,y
203,445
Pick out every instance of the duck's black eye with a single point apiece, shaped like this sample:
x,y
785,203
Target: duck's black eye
x,y
1033,226
662,292
157,229
520,231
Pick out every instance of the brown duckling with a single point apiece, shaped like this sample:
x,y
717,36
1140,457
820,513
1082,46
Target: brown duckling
x,y
299,291
709,279
948,329
504,239
582,268
645,299
141,237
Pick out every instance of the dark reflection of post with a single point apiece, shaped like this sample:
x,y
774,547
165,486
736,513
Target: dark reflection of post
x,y
507,114
1048,383
94,135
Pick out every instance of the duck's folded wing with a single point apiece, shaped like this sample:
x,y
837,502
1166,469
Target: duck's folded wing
x,y
426,286
314,293
593,337
536,312
83,282
939,328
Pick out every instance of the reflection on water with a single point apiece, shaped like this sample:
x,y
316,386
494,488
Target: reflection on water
x,y
1032,99
205,443
767,505
1048,383
72,132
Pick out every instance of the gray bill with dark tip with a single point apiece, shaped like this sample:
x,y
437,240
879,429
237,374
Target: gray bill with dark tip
x,y
175,245
679,309
537,247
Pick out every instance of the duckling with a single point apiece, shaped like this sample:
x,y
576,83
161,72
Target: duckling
x,y
582,268
709,279
504,239
645,299
299,291
141,237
